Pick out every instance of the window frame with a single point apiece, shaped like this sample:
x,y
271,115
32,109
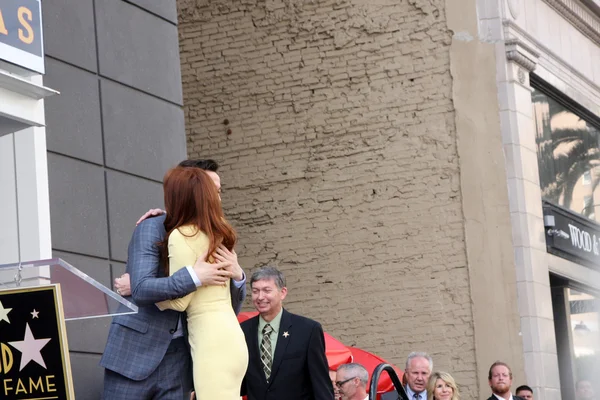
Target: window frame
x,y
564,100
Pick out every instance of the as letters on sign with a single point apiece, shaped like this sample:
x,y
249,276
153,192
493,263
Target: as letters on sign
x,y
25,31
21,41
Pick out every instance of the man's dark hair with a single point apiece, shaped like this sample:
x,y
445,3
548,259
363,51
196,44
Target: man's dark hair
x,y
523,387
499,363
207,165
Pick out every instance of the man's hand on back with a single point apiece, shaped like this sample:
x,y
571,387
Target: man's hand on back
x,y
212,274
151,213
225,256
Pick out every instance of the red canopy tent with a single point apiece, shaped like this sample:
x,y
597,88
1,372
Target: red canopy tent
x,y
244,316
370,362
337,354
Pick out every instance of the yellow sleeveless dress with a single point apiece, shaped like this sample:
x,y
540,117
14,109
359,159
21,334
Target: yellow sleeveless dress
x,y
218,346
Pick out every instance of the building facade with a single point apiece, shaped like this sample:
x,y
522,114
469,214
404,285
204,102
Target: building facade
x,y
549,95
92,158
424,171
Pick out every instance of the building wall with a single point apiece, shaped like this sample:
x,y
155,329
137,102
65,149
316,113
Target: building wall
x,y
336,128
116,127
557,40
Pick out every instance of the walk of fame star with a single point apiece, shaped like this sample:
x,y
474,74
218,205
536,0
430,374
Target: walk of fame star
x,y
4,313
30,348
34,314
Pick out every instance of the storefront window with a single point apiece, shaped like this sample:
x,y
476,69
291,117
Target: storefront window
x,y
584,319
568,147
577,330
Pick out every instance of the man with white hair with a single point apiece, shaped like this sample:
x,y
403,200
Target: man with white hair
x,y
351,381
418,369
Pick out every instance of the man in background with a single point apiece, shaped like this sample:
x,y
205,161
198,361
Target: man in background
x,y
500,380
524,392
418,369
352,380
287,351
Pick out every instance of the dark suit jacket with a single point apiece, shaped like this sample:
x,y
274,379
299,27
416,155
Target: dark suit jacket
x,y
300,370
492,397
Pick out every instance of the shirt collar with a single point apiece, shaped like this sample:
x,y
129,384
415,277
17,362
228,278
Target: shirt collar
x,y
501,398
275,323
411,394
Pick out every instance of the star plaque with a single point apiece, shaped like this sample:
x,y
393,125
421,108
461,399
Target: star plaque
x,y
34,359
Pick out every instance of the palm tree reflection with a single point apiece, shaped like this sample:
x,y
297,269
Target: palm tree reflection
x,y
568,156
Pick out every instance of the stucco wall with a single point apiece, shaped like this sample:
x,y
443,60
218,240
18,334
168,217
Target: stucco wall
x,y
341,164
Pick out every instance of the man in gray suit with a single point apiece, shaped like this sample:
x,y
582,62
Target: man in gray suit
x,y
147,355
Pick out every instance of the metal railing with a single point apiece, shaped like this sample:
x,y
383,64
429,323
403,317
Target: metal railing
x,y
393,376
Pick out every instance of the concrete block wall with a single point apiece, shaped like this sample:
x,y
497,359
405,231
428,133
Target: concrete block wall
x,y
116,127
334,123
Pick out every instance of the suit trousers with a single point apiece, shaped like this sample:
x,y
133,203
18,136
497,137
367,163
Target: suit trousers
x,y
171,380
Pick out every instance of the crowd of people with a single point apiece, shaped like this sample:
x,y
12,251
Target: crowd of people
x,y
420,383
185,341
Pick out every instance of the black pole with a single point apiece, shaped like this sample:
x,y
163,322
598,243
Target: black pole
x,y
393,376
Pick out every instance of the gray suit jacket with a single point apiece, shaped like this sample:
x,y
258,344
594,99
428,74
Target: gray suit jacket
x,y
138,342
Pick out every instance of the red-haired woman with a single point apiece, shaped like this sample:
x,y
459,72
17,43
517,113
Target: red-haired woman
x,y
196,226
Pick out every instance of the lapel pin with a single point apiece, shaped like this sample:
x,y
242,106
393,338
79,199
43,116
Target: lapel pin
x,y
286,334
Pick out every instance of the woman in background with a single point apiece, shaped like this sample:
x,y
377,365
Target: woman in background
x,y
442,386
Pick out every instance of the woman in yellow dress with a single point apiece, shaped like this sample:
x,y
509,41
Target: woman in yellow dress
x,y
196,226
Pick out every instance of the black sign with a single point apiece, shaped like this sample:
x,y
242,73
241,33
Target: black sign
x,y
21,33
34,361
571,236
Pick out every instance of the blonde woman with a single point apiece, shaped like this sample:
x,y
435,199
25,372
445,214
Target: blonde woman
x,y
442,386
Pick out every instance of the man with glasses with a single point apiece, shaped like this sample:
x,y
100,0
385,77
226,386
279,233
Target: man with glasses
x,y
352,380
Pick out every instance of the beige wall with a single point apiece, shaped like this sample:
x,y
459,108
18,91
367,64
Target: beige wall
x,y
488,229
342,168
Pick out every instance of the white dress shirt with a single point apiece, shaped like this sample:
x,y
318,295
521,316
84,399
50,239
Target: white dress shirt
x,y
411,394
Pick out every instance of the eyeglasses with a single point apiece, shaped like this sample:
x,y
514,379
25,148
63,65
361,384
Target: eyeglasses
x,y
339,384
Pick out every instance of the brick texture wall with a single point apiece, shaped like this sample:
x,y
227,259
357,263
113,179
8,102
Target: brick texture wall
x,y
340,165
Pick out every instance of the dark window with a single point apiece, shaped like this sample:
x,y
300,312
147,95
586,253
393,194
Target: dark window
x,y
568,147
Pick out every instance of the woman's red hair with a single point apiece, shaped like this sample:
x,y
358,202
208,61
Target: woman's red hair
x,y
192,198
